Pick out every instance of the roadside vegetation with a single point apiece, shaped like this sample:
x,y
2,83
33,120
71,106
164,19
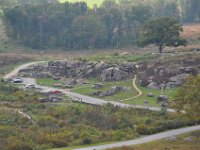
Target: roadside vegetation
x,y
54,125
182,142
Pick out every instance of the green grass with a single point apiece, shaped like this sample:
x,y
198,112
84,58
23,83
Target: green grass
x,y
89,2
152,100
107,85
128,94
116,58
48,81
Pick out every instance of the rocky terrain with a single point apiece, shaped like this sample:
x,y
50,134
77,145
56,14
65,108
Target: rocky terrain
x,y
168,74
80,69
159,74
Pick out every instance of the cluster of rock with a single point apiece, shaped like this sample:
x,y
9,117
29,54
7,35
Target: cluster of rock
x,y
35,71
101,70
113,90
51,99
167,76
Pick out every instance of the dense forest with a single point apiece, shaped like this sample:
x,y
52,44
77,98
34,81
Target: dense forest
x,y
50,24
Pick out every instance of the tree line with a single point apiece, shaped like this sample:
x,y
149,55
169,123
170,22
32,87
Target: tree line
x,y
76,26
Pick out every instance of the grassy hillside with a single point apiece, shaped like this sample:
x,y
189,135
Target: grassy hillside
x,y
89,2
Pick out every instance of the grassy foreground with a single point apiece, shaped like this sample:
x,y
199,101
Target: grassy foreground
x,y
190,141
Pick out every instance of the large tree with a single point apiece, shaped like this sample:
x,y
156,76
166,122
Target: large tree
x,y
188,98
164,31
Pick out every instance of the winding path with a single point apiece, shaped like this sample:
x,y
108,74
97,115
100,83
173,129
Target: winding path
x,y
95,101
79,97
136,88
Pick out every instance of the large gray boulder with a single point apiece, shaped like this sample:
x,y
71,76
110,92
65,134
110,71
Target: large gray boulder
x,y
162,99
179,79
119,74
98,85
107,74
153,85
71,81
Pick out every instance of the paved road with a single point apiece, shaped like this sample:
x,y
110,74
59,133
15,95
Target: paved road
x,y
76,96
95,101
145,139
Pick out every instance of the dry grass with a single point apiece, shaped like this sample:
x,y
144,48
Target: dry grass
x,y
191,31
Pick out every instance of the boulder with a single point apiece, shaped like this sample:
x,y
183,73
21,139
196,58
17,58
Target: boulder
x,y
179,79
119,74
95,93
162,99
150,95
71,81
171,138
98,86
170,85
107,74
56,77
153,85
116,89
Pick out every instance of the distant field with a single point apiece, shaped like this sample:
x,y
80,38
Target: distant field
x,y
191,32
89,2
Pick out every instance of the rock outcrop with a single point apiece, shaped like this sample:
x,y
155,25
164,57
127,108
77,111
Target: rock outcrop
x,y
101,70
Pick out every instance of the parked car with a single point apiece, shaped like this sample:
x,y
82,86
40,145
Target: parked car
x,y
56,92
30,86
17,80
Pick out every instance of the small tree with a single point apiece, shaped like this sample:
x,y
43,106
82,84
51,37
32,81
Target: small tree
x,y
188,98
164,31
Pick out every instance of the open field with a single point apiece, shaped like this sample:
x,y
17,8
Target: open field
x,y
152,101
89,2
191,32
189,141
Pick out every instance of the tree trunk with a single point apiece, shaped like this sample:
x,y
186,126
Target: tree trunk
x,y
160,49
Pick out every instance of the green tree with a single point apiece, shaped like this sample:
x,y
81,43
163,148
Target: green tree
x,y
162,32
188,98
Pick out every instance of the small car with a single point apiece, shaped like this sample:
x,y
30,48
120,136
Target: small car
x,y
30,86
17,80
56,92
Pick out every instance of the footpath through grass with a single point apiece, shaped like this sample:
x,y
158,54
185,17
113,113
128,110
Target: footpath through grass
x,y
128,94
107,86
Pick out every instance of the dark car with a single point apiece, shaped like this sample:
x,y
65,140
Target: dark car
x,y
17,80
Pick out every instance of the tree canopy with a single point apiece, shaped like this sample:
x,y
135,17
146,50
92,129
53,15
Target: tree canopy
x,y
164,31
43,24
188,98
